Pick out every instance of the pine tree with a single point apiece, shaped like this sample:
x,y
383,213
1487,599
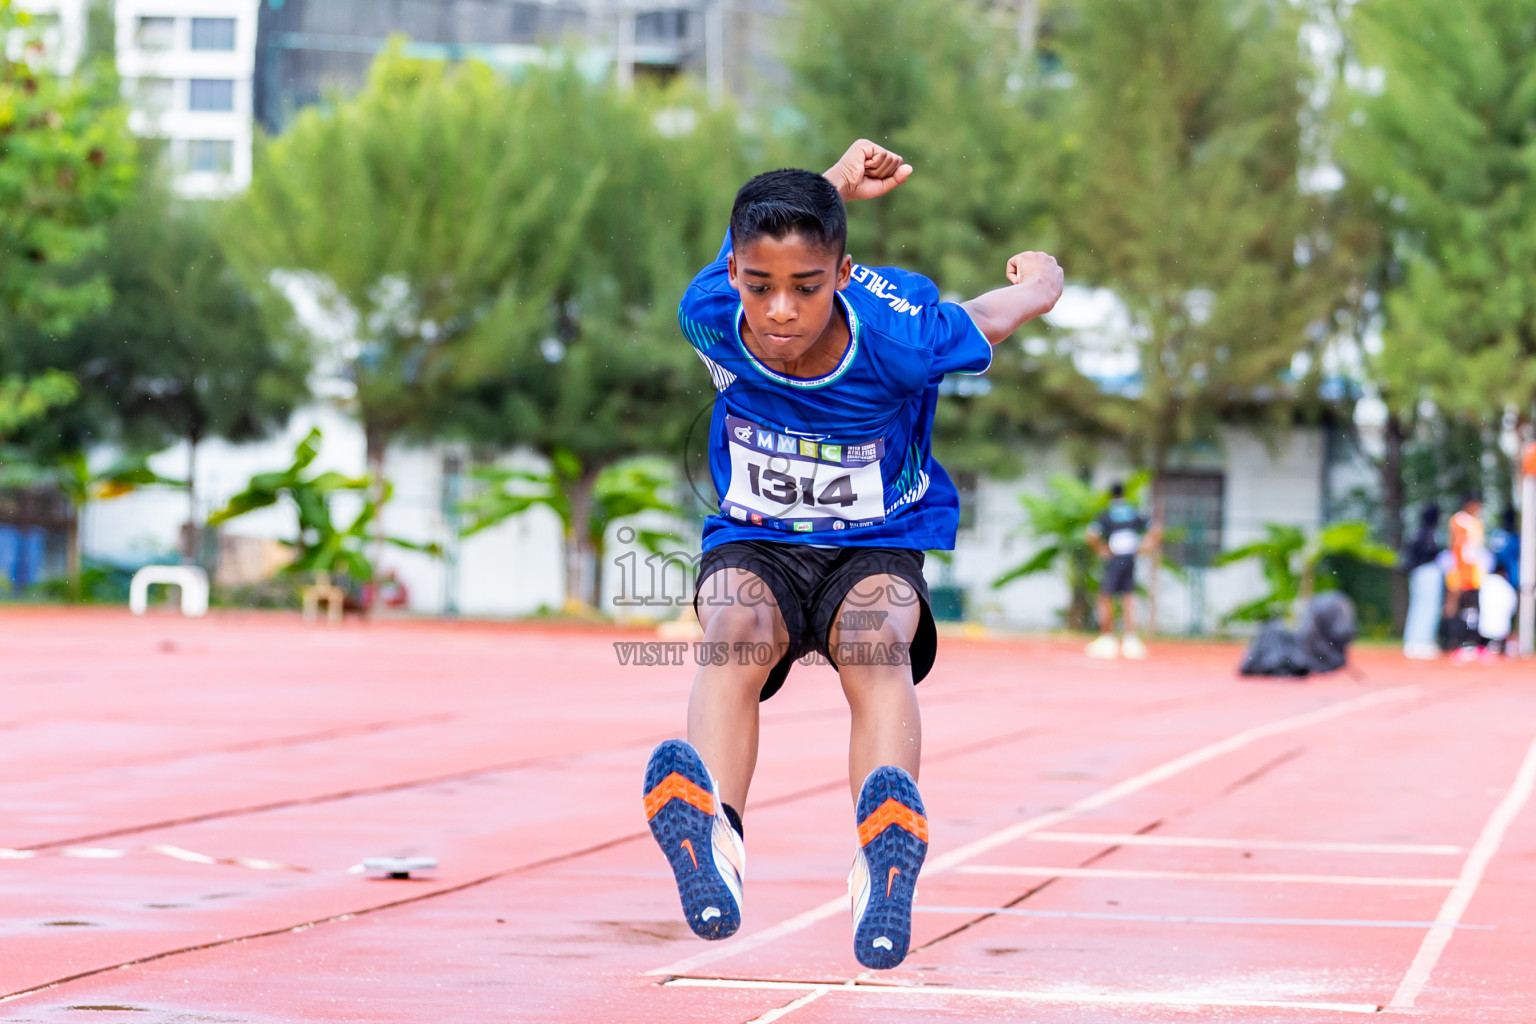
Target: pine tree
x,y
1440,132
1185,133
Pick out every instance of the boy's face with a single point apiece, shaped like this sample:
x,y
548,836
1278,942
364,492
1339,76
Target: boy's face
x,y
787,287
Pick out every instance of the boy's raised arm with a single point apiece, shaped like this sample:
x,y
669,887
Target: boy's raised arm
x,y
1036,285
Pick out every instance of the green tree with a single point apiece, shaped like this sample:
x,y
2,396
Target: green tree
x,y
947,84
24,400
1185,129
1436,153
1292,563
182,353
1441,142
66,164
510,253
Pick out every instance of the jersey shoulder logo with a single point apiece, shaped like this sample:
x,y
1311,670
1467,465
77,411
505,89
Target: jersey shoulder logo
x,y
881,288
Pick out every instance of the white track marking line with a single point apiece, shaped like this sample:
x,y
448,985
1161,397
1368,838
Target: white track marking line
x,y
789,1008
1206,876
92,852
164,849
1133,839
1097,915
943,992
1164,772
178,853
1002,837
1460,896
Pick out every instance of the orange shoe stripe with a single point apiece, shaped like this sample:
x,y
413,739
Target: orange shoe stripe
x,y
892,812
675,786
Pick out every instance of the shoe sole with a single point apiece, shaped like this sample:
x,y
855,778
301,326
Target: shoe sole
x,y
895,856
684,831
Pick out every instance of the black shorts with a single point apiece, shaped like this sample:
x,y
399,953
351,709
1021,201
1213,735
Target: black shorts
x,y
1119,574
810,583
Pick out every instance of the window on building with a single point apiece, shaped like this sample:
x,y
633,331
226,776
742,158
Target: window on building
x,y
210,156
661,27
156,34
1193,510
211,94
154,95
213,33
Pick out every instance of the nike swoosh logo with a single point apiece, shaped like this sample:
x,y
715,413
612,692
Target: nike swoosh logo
x,y
890,877
687,844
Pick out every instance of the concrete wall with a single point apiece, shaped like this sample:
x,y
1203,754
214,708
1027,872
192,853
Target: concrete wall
x,y
511,569
518,567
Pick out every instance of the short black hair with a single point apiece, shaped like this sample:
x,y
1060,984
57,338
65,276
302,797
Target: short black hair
x,y
1469,497
790,202
1117,489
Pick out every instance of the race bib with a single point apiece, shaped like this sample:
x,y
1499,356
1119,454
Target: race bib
x,y
802,486
1124,542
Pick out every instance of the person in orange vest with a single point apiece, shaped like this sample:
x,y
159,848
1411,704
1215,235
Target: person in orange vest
x,y
1468,561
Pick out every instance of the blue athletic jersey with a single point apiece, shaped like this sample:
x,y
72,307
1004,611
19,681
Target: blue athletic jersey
x,y
845,459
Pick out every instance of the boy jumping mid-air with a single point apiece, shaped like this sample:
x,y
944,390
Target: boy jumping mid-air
x,y
827,376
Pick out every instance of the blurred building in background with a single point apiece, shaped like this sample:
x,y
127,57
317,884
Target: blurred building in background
x,y
199,73
307,48
187,68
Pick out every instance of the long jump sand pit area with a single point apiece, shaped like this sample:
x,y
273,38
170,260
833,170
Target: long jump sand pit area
x,y
184,806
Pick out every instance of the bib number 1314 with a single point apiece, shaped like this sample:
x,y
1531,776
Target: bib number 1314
x,y
787,489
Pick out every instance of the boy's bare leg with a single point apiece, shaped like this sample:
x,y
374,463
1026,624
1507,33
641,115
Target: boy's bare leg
x,y
886,725
1106,613
1128,614
722,709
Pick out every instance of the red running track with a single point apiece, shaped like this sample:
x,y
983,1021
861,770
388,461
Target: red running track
x,y
181,802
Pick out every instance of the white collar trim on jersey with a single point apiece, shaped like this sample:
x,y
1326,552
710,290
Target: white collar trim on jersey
x,y
802,382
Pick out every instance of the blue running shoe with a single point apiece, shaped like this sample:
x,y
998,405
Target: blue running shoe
x,y
893,840
707,856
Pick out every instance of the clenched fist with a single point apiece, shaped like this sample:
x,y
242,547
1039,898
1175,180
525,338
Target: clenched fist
x,y
1041,268
867,171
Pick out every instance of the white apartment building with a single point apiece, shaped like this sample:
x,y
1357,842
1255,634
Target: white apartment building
x,y
61,26
187,68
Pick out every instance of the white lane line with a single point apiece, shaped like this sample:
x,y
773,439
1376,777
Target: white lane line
x,y
178,853
1095,801
1166,771
1206,876
790,1007
1135,839
1096,915
1457,901
92,852
164,849
1099,998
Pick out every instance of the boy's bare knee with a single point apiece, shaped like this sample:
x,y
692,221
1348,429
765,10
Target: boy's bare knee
x,y
740,623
